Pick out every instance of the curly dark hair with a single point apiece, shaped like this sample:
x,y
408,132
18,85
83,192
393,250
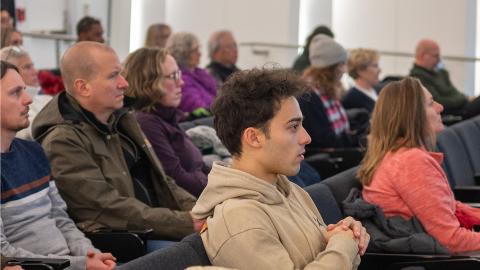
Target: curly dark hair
x,y
251,98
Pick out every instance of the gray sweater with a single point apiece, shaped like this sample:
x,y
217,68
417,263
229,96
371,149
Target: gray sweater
x,y
34,222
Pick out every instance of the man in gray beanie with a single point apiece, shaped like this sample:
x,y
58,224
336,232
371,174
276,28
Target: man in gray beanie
x,y
324,52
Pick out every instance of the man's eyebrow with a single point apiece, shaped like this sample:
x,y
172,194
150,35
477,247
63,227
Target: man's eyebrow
x,y
14,89
296,119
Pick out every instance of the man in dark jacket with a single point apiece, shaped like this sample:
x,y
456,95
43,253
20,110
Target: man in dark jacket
x,y
103,165
223,52
437,81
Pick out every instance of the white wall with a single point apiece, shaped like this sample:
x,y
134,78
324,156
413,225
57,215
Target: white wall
x,y
392,25
42,51
250,20
397,25
312,14
56,15
144,13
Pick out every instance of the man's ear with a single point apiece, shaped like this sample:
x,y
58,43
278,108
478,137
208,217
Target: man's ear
x,y
253,137
81,87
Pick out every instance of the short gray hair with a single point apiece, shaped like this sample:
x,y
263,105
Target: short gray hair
x,y
180,46
10,53
214,41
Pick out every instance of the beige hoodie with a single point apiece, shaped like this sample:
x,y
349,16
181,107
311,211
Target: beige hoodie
x,y
253,224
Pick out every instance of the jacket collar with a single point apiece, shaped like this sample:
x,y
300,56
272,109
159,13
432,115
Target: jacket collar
x,y
169,114
71,110
415,66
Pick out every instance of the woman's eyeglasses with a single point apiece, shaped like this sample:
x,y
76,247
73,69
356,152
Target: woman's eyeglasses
x,y
176,75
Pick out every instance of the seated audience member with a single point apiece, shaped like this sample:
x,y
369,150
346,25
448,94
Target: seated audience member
x,y
255,217
403,175
21,59
303,61
325,118
89,29
34,222
223,53
200,88
155,81
6,21
363,67
99,156
437,81
11,37
157,35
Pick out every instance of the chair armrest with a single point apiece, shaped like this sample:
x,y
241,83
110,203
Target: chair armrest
x,y
457,264
467,194
39,263
476,178
331,161
324,164
124,245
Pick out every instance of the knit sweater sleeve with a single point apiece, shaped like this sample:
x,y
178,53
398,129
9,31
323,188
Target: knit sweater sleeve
x,y
424,189
8,250
76,240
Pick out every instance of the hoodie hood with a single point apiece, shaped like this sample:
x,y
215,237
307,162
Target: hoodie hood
x,y
49,116
226,183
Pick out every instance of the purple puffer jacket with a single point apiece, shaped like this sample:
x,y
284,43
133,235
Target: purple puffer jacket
x,y
199,90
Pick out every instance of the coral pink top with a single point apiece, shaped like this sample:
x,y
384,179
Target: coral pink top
x,y
411,182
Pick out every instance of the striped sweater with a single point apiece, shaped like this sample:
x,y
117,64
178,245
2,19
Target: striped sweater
x,y
34,221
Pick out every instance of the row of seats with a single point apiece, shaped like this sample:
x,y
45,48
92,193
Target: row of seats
x,y
460,144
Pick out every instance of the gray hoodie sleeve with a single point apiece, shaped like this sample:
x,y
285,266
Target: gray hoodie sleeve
x,y
76,262
76,240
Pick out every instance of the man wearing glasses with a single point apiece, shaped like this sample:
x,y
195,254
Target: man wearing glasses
x,y
100,158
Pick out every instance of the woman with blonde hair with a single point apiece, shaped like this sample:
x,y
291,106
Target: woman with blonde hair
x,y
155,82
363,67
403,175
325,118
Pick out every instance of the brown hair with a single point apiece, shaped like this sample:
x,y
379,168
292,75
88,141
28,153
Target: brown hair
x,y
398,120
144,73
360,59
153,32
5,66
251,98
324,79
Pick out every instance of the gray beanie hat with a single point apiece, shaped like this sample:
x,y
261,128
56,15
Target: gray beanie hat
x,y
324,51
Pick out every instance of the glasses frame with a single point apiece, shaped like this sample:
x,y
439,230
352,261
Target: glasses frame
x,y
176,75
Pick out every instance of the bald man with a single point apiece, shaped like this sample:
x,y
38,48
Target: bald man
x,y
437,80
100,157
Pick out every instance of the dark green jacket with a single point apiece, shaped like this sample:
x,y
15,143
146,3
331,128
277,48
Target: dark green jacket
x,y
441,88
92,176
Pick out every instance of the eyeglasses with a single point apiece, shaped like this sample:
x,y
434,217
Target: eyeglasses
x,y
176,75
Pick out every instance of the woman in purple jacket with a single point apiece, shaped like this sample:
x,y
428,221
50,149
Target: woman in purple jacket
x,y
200,87
155,81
